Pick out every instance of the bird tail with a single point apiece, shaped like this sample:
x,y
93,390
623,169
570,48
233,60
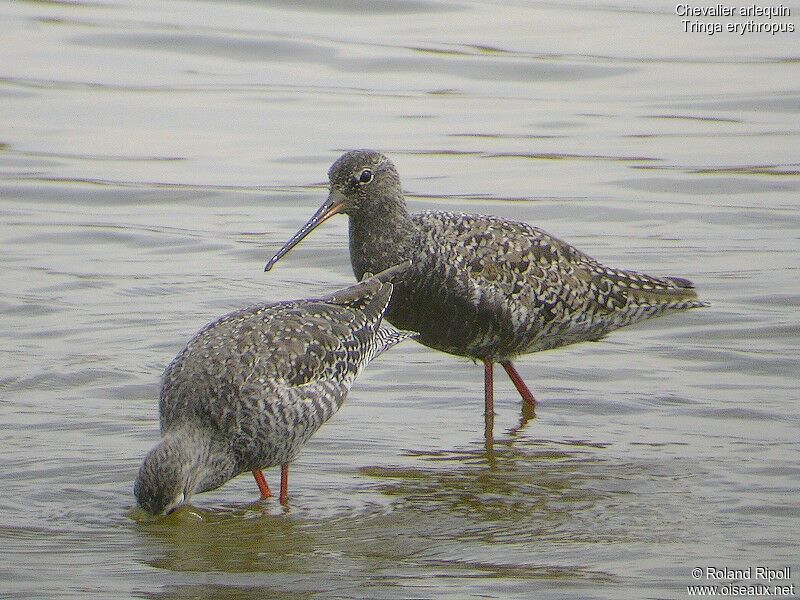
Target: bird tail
x,y
363,292
388,274
371,297
386,337
671,293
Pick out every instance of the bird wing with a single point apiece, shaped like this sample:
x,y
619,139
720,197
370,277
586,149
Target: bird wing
x,y
502,262
528,276
261,351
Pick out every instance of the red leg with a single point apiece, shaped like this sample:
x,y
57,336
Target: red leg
x,y
284,497
488,387
262,484
488,397
518,382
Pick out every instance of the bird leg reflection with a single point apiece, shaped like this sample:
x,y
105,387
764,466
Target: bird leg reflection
x,y
528,413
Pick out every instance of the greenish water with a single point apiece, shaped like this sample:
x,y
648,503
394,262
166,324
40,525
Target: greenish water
x,y
154,155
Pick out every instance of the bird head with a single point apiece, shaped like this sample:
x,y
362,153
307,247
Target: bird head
x,y
360,180
163,482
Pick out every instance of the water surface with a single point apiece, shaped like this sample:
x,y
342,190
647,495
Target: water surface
x,y
154,155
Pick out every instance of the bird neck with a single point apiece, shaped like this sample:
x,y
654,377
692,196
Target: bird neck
x,y
211,460
381,236
192,460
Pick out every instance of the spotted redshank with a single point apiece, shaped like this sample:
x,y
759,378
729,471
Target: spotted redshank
x,y
481,286
251,388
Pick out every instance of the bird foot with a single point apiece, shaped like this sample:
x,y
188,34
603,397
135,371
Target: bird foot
x,y
518,382
262,484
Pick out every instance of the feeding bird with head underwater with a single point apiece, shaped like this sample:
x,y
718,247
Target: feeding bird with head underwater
x,y
250,389
479,286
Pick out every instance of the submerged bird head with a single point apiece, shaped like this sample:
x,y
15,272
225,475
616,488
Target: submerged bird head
x,y
180,465
360,181
161,484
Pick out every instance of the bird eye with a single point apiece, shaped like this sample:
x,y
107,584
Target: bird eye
x,y
366,176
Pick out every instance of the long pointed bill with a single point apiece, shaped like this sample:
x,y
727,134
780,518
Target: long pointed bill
x,y
333,205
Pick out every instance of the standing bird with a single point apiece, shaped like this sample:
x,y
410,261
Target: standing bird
x,y
480,286
253,386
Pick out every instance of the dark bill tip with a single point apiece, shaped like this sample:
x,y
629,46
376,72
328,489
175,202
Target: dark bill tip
x,y
325,212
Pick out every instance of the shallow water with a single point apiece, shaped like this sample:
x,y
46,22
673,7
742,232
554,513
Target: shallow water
x,y
154,155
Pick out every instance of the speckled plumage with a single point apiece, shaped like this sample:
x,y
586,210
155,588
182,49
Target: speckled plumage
x,y
482,286
491,288
250,389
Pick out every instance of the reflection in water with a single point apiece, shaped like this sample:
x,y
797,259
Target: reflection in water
x,y
481,514
239,540
148,156
488,436
532,491
528,413
215,591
